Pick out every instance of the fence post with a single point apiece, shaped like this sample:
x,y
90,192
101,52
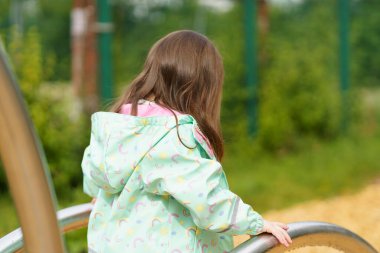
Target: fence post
x,y
343,9
251,63
104,29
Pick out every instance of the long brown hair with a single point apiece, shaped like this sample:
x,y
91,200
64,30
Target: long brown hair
x,y
183,72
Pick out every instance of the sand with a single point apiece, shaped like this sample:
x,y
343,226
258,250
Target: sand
x,y
359,213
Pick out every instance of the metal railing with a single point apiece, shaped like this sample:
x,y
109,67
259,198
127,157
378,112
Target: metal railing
x,y
69,219
309,233
303,234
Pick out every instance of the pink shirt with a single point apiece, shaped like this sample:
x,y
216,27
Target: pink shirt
x,y
146,108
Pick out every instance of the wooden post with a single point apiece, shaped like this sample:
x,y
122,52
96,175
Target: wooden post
x,y
84,53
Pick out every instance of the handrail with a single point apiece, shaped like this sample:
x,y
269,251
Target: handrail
x,y
71,218
309,233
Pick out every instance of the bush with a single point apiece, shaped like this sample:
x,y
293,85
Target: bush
x,y
55,112
299,86
297,97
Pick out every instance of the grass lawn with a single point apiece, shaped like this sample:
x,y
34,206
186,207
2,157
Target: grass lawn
x,y
319,171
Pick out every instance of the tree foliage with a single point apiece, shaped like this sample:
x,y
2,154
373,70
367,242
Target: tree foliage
x,y
54,112
365,39
299,89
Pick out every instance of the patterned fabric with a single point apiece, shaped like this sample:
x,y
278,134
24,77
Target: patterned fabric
x,y
154,194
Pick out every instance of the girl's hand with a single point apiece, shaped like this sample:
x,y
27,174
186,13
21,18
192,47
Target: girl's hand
x,y
93,201
278,229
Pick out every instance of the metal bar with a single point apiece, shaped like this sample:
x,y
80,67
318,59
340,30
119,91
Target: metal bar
x,y
303,234
310,233
70,219
26,168
344,71
251,63
105,57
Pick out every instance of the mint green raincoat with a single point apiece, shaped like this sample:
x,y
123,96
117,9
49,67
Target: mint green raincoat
x,y
156,195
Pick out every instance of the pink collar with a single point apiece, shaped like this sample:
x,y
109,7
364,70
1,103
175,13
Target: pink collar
x,y
147,108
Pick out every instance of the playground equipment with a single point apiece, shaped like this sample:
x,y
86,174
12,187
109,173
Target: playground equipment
x,y
34,197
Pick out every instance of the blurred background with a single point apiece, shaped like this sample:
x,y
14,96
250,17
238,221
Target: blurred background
x,y
301,101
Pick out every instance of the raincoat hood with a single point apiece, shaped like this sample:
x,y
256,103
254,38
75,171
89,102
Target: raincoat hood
x,y
115,137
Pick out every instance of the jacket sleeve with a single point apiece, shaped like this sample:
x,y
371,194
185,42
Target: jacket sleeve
x,y
89,187
92,162
199,184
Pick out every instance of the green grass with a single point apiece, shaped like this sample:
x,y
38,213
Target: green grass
x,y
8,216
318,171
75,240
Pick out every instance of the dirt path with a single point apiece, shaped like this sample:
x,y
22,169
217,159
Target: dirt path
x,y
359,213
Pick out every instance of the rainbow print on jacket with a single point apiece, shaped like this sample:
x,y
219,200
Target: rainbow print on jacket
x,y
156,195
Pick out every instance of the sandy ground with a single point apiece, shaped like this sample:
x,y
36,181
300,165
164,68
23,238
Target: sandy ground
x,y
359,213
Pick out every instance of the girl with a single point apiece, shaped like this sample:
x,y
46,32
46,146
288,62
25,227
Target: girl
x,y
153,163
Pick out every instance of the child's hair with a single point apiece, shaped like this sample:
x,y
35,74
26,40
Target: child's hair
x,y
183,72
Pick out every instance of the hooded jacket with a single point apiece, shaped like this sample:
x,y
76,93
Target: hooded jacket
x,y
154,194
